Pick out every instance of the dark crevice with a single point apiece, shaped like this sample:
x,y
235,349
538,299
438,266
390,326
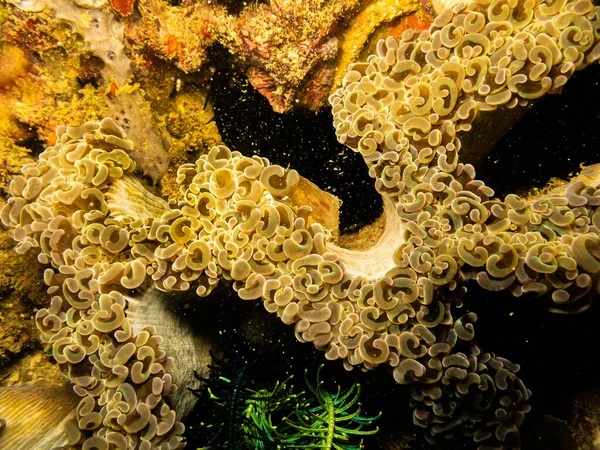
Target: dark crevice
x,y
94,82
237,6
34,144
551,141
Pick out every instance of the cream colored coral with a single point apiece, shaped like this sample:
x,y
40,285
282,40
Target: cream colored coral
x,y
91,338
402,110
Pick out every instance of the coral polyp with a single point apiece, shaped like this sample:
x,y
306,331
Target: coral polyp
x,y
106,237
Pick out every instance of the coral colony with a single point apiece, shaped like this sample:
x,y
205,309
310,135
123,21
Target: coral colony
x,y
104,235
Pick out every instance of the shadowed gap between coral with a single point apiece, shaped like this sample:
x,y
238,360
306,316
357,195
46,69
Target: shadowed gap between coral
x,y
552,140
557,367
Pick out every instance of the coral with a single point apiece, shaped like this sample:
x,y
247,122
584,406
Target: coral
x,y
84,327
12,158
180,34
293,51
102,33
297,51
52,101
454,407
189,121
150,141
33,34
363,25
50,92
18,333
103,36
37,366
53,96
283,41
396,304
104,269
403,119
290,48
14,63
21,292
189,345
47,409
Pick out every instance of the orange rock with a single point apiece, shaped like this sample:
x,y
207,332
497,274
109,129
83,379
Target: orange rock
x,y
418,21
125,7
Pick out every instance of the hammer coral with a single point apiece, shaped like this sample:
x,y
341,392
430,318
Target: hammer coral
x,y
105,235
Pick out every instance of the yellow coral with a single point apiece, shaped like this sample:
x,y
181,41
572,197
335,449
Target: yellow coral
x,y
362,26
190,122
12,158
77,172
105,235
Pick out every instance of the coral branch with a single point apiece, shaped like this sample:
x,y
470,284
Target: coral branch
x,y
106,236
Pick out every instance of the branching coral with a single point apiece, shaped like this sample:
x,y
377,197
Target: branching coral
x,y
106,235
402,111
